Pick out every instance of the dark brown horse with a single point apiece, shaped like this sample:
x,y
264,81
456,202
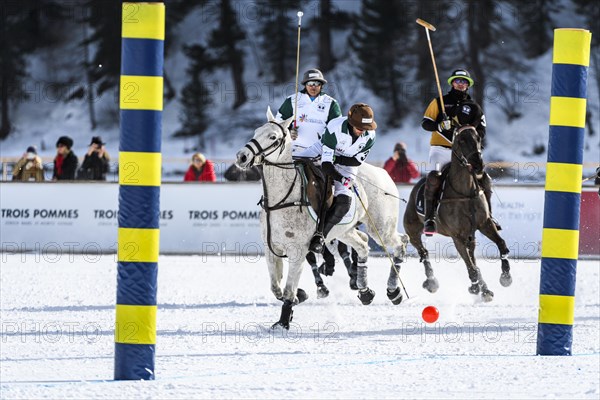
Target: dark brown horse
x,y
462,210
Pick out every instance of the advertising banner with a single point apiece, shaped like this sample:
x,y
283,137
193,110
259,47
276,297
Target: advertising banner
x,y
224,218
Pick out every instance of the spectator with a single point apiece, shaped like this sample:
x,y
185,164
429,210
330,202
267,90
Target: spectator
x,y
65,162
29,167
400,168
235,173
201,170
95,163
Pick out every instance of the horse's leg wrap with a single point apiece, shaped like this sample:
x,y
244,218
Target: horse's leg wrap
x,y
350,260
392,282
361,274
433,185
328,266
486,184
312,260
365,295
341,205
286,315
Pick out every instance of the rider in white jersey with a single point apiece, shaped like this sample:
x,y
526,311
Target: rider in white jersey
x,y
315,110
345,145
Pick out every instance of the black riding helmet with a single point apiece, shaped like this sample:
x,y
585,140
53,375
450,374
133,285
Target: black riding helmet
x,y
461,73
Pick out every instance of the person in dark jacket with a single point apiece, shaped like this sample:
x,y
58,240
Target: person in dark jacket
x,y
200,170
235,173
459,109
65,162
96,162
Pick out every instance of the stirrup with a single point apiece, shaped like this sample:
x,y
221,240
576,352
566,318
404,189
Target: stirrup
x,y
316,243
429,227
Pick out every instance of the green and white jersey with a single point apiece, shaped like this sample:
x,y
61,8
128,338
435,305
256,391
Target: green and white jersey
x,y
312,116
337,141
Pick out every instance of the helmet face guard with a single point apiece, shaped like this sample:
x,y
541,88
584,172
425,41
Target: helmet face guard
x,y
461,74
313,75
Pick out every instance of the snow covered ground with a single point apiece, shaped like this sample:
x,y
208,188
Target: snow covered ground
x,y
57,315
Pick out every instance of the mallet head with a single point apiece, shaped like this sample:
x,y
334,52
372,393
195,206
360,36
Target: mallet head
x,y
425,24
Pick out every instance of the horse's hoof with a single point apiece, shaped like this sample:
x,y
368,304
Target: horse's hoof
x,y
431,285
505,279
301,295
322,292
279,324
366,296
395,296
353,285
487,295
474,288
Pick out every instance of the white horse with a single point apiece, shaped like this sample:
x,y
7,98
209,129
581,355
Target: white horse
x,y
287,226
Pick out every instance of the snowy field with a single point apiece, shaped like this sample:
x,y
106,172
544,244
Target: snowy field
x,y
213,340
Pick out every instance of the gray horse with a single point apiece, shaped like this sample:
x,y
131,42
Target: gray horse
x,y
462,210
287,227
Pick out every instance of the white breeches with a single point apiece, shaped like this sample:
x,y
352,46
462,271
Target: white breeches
x,y
438,156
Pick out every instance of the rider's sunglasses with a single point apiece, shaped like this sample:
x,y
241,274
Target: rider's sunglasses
x,y
460,80
313,83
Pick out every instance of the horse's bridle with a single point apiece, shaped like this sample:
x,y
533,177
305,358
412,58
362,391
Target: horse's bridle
x,y
464,160
257,150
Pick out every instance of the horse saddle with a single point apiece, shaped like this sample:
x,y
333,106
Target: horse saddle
x,y
317,183
420,198
314,184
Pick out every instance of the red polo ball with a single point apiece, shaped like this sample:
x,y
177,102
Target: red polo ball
x,y
430,314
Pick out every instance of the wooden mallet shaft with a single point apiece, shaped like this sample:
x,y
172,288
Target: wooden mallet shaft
x,y
428,27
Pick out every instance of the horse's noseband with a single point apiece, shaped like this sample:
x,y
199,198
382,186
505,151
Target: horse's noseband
x,y
257,150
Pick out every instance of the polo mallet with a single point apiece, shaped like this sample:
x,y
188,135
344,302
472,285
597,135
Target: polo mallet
x,y
300,14
380,240
428,27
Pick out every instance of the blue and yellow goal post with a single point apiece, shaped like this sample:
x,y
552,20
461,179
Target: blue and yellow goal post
x,y
141,105
560,235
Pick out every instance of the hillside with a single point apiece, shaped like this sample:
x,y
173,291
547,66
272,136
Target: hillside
x,y
42,118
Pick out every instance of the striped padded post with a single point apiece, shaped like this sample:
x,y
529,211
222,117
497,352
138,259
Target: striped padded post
x,y
141,103
560,235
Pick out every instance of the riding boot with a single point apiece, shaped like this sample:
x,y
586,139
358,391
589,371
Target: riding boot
x,y
486,184
318,240
339,208
432,188
341,205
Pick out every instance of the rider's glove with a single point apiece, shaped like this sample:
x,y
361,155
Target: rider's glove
x,y
445,125
294,133
347,182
